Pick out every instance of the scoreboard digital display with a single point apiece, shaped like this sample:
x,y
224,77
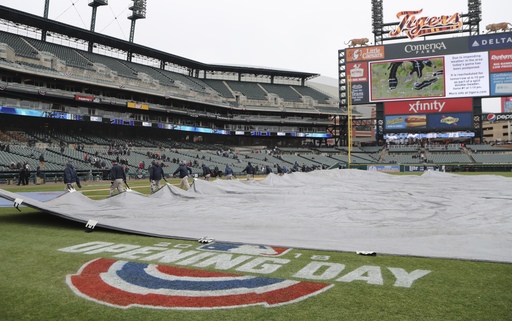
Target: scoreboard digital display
x,y
476,66
430,85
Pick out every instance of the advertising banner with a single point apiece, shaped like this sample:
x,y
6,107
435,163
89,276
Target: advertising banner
x,y
492,41
428,106
365,53
409,168
497,117
445,121
405,122
506,104
501,60
135,105
414,49
384,168
450,121
501,84
85,98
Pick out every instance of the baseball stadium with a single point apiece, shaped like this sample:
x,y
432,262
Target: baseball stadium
x,y
136,184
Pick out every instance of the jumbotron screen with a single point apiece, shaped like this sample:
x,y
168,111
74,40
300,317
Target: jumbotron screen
x,y
429,85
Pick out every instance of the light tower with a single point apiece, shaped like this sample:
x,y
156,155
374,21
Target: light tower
x,y
45,15
138,12
95,4
474,16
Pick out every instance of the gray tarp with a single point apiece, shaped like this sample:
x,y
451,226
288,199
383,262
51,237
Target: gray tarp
x,y
432,215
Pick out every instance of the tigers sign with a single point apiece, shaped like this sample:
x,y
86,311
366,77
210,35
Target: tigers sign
x,y
413,26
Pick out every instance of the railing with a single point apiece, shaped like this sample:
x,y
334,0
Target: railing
x,y
12,177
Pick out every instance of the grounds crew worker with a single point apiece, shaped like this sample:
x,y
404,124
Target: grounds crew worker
x,y
71,177
117,176
156,173
184,171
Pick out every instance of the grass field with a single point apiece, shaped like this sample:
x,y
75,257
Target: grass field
x,y
34,268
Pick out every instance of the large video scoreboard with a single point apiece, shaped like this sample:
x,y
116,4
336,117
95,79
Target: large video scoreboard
x,y
430,85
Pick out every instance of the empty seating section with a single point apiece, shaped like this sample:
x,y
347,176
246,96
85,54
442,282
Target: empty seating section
x,y
291,159
250,90
266,158
446,148
20,46
448,158
354,149
36,66
401,159
77,58
7,158
194,84
341,158
371,149
150,71
364,158
310,160
403,148
69,55
219,86
313,93
112,63
483,148
283,91
328,109
494,158
327,150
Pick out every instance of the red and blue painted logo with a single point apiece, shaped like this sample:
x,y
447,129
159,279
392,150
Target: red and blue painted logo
x,y
491,117
263,250
127,284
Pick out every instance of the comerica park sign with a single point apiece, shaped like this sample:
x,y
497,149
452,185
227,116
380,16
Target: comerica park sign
x,y
413,26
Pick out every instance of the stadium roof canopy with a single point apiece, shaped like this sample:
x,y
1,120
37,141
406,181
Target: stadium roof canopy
x,y
41,23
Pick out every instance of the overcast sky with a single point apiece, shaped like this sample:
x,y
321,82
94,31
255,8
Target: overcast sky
x,y
299,35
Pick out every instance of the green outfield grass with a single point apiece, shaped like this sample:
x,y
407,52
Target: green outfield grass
x,y
33,277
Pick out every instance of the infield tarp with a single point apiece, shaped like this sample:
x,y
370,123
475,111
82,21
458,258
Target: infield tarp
x,y
433,215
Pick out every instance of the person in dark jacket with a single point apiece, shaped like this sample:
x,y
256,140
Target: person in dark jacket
x,y
41,160
24,174
39,175
156,173
249,170
117,176
21,174
183,170
228,172
207,172
71,177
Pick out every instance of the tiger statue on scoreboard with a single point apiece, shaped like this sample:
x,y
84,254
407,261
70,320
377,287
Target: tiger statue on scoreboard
x,y
357,41
495,27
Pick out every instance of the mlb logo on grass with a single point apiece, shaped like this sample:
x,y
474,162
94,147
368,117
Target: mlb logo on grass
x,y
245,249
